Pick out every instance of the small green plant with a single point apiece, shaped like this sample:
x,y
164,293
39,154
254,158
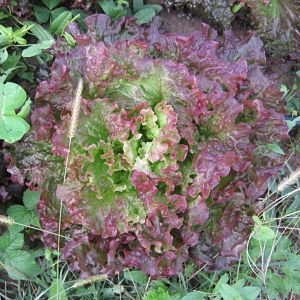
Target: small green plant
x,y
12,123
50,10
272,249
293,101
14,48
143,13
59,18
11,38
25,214
114,10
236,291
159,294
18,262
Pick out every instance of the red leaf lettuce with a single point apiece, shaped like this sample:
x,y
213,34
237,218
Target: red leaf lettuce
x,y
169,157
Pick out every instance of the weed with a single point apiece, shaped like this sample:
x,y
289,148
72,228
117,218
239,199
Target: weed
x,y
142,12
13,125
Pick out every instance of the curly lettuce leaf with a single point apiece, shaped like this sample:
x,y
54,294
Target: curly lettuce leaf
x,y
169,156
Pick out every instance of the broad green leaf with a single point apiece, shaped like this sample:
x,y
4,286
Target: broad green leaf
x,y
136,276
6,31
60,22
177,296
36,49
109,7
249,292
3,55
193,296
5,35
12,61
20,40
3,15
9,242
282,248
22,215
291,268
229,293
257,220
51,3
56,12
239,284
41,13
157,8
31,51
40,32
28,76
237,7
224,279
31,199
159,294
3,78
144,15
13,127
21,262
7,73
275,148
80,20
19,33
290,124
57,290
12,96
277,284
263,233
137,5
69,39
24,112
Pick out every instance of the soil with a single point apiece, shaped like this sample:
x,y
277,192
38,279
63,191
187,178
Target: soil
x,y
175,21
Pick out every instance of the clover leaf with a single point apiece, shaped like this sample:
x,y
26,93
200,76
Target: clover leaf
x,y
12,124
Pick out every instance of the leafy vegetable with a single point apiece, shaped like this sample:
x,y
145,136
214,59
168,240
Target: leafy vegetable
x,y
170,154
142,12
276,21
27,214
20,264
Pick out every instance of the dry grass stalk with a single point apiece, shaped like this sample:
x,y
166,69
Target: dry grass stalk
x,y
6,220
288,181
71,134
89,280
75,109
